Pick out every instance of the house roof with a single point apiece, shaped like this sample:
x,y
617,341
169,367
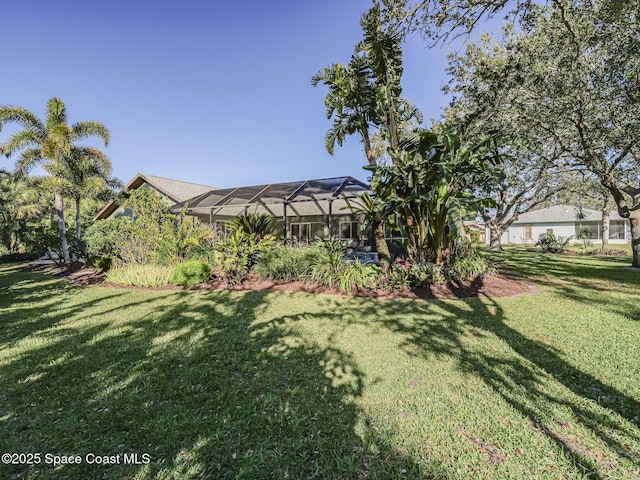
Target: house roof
x,y
563,213
174,190
304,197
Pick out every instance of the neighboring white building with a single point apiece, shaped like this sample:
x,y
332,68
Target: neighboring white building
x,y
561,220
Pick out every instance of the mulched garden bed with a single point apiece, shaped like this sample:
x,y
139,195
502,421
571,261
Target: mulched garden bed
x,y
494,286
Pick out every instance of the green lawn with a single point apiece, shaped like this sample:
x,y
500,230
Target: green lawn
x,y
292,385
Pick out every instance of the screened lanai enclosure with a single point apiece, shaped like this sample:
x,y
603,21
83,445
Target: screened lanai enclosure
x,y
303,210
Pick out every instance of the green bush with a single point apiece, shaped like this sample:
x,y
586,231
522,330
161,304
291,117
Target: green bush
x,y
412,275
103,263
140,275
356,276
100,240
285,262
189,274
471,266
237,255
550,244
327,264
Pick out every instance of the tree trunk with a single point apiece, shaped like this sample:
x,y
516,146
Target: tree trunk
x,y
634,220
495,237
605,229
78,219
384,257
59,205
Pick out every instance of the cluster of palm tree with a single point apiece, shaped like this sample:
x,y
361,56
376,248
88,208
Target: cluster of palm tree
x,y
74,172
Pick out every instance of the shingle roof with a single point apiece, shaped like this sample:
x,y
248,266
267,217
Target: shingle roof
x,y
176,190
563,213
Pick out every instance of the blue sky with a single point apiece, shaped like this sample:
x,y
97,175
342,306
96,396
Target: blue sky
x,y
210,92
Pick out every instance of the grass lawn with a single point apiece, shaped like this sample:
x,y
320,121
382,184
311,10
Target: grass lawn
x,y
254,385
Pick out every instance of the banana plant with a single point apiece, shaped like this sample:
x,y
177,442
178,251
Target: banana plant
x,y
430,186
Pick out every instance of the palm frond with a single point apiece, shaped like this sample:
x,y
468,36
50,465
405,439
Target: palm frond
x,y
19,115
28,159
56,113
23,139
91,128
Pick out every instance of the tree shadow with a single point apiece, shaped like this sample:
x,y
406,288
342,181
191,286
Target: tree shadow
x,y
525,377
200,382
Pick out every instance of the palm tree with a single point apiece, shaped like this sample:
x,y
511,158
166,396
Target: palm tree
x,y
51,144
365,95
84,175
351,101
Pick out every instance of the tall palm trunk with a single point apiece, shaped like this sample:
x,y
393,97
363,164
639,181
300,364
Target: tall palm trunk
x,y
77,219
384,256
59,205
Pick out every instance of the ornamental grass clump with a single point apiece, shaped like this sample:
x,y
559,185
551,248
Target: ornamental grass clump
x,y
286,263
191,273
140,275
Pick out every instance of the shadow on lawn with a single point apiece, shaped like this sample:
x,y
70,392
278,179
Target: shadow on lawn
x,y
200,384
525,379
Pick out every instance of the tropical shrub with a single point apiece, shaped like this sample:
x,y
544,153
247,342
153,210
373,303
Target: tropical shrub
x,y
191,273
140,275
357,276
327,263
237,255
254,224
469,266
412,275
550,244
583,236
103,264
431,188
328,268
100,239
18,257
285,262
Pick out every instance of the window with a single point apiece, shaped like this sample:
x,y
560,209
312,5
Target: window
x,y
349,230
301,232
593,230
617,229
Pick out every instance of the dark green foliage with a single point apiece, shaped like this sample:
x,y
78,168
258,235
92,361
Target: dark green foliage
x,y
430,189
254,224
103,263
552,244
191,273
101,240
18,257
285,262
415,275
328,268
468,267
237,255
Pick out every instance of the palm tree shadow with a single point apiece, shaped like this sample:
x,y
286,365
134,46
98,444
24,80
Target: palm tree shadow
x,y
523,380
203,385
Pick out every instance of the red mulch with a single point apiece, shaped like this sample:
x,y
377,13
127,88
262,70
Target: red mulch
x,y
494,286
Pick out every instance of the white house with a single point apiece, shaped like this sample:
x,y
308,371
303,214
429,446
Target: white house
x,y
562,220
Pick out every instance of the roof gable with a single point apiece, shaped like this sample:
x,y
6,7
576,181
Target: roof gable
x,y
175,190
